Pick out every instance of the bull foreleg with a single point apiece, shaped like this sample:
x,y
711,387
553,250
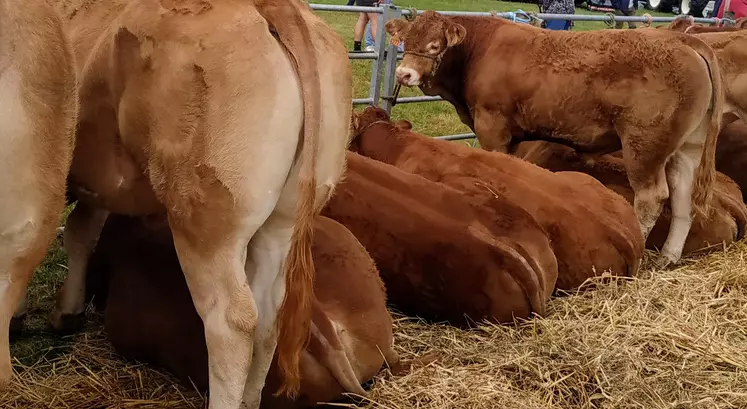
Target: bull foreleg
x,y
492,130
82,230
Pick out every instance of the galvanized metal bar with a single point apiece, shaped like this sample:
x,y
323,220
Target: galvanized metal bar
x,y
346,9
457,137
363,56
378,64
390,80
422,98
362,101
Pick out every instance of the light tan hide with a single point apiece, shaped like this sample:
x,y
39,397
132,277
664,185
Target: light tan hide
x,y
38,109
211,111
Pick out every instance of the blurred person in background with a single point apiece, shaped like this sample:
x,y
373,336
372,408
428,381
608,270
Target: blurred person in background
x,y
363,19
557,7
622,8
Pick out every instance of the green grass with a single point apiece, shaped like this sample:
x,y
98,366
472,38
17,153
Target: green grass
x,y
428,118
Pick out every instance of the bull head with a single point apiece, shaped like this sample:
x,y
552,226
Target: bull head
x,y
426,40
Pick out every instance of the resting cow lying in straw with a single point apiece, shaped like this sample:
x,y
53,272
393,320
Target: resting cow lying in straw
x,y
591,229
662,107
211,111
134,274
727,220
731,154
38,110
443,255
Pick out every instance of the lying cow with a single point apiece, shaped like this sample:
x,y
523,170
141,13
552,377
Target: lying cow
x,y
38,110
134,274
725,224
591,229
443,255
512,81
731,155
212,111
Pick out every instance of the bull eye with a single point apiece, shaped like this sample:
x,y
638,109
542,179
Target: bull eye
x,y
433,47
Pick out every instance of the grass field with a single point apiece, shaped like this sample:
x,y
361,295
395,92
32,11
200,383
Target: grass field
x,y
665,339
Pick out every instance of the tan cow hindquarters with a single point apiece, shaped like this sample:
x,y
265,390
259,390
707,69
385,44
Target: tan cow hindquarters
x,y
38,111
211,112
135,275
727,220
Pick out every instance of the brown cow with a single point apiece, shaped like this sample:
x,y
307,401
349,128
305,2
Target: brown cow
x,y
443,255
506,79
38,110
134,275
731,154
211,111
686,24
725,224
730,46
591,229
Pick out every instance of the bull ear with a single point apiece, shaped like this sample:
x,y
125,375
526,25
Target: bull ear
x,y
355,120
455,34
403,124
397,27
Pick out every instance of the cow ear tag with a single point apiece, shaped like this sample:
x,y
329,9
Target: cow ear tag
x,y
395,41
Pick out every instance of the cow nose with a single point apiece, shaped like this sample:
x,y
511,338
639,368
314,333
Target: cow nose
x,y
403,77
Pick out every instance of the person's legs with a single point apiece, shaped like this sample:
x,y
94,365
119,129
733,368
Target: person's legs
x,y
374,19
360,26
370,42
350,2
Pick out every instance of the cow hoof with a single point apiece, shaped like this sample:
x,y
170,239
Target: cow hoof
x,y
17,323
665,260
67,323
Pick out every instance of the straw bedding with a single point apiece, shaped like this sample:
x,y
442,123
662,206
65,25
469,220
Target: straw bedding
x,y
664,339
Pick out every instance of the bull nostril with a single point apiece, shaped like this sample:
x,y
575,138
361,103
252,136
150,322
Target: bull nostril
x,y
403,77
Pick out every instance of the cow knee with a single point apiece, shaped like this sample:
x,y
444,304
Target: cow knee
x,y
242,310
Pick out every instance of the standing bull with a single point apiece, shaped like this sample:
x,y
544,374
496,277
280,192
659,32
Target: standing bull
x,y
662,108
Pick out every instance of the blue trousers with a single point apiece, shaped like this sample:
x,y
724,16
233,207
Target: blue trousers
x,y
558,24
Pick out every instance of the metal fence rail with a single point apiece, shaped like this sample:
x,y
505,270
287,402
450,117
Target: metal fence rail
x,y
385,57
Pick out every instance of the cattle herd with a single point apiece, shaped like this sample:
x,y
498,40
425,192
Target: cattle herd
x,y
242,227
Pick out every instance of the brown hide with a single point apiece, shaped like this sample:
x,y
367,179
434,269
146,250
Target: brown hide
x,y
686,25
728,215
591,229
731,154
442,254
149,314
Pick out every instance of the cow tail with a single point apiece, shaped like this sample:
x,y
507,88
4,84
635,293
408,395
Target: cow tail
x,y
706,172
294,317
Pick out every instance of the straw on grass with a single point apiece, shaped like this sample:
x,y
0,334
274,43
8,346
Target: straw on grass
x,y
671,339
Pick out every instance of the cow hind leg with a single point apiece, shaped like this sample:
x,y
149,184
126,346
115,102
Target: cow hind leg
x,y
212,253
24,239
680,177
647,176
264,270
82,230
